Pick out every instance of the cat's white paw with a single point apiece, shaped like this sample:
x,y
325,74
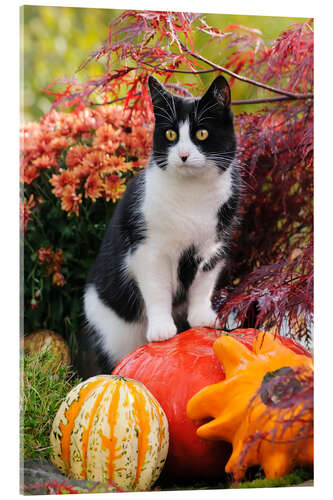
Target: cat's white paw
x,y
161,330
203,316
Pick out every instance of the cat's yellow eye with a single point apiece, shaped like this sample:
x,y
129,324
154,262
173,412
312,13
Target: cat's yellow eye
x,y
201,134
171,135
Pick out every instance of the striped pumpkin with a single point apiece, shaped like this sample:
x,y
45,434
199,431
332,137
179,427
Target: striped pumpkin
x,y
111,428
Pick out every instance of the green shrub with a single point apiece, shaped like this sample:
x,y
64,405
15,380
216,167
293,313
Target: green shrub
x,y
75,167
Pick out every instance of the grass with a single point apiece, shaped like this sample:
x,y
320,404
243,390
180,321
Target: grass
x,y
44,384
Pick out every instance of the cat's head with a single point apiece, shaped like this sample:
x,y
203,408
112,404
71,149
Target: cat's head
x,y
193,135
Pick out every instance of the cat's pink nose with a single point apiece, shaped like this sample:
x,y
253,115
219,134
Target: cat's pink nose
x,y
184,156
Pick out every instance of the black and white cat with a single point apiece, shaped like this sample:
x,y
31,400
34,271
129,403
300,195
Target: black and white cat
x,y
168,239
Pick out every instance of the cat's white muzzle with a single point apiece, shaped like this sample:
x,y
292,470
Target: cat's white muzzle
x,y
185,157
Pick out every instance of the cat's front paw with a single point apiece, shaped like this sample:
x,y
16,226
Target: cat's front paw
x,y
203,316
161,330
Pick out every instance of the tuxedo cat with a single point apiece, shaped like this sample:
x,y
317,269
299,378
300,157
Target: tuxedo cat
x,y
167,242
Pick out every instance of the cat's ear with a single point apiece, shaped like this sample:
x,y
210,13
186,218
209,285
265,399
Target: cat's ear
x,y
219,91
157,91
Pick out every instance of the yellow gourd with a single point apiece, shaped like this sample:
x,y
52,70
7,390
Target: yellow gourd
x,y
110,428
238,415
47,339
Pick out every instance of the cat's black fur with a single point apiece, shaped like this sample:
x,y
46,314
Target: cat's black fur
x,y
124,233
220,117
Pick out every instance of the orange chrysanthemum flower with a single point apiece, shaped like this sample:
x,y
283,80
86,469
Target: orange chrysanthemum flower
x,y
58,279
58,259
107,138
80,172
62,180
112,115
117,135
44,161
25,211
76,154
93,186
109,170
86,121
95,160
119,164
60,124
30,137
45,255
70,200
139,141
114,187
51,262
58,143
30,173
46,138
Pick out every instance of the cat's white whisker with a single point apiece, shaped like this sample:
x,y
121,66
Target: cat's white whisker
x,y
172,109
204,119
165,115
205,109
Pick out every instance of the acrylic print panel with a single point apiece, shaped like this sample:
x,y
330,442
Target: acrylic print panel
x,y
87,127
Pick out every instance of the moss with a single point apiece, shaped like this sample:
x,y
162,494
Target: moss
x,y
296,477
45,382
255,479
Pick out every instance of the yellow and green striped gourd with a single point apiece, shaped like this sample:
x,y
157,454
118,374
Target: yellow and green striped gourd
x,y
111,428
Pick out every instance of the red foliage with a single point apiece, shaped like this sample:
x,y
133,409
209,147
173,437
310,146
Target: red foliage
x,y
273,249
289,61
272,272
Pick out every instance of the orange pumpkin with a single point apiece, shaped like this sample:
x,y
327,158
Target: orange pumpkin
x,y
110,428
174,370
237,420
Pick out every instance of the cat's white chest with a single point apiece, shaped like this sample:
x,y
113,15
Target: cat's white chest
x,y
180,212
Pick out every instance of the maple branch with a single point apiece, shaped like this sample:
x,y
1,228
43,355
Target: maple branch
x,y
184,71
169,85
234,103
272,99
286,95
244,78
91,103
179,89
